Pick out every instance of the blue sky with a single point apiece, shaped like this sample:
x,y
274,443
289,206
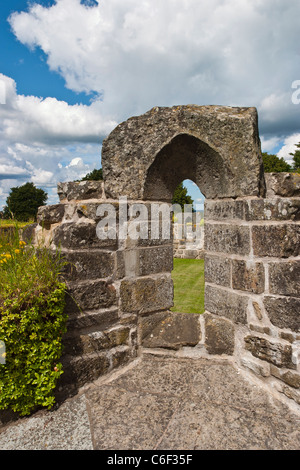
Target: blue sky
x,y
72,70
29,67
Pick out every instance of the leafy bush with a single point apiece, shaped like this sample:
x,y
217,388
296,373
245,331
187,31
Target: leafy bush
x,y
32,322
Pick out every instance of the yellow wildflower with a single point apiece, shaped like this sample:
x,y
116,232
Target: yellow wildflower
x,y
17,251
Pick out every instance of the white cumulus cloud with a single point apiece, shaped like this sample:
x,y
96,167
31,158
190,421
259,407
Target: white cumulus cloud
x,y
142,53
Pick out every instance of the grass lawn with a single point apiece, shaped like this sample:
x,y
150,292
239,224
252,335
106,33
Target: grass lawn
x,y
188,279
12,223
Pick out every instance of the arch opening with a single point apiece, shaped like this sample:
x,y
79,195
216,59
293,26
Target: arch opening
x,y
188,251
185,157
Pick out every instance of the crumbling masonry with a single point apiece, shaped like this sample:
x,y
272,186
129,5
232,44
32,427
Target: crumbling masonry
x,y
121,290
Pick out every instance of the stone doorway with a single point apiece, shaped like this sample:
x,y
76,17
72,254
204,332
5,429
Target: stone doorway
x,y
122,287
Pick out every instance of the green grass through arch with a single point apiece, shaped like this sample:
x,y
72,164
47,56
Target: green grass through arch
x,y
188,279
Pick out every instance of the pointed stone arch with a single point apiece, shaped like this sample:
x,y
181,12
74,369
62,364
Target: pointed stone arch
x,y
217,147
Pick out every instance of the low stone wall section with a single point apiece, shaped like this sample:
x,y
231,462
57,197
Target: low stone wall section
x,y
121,291
252,267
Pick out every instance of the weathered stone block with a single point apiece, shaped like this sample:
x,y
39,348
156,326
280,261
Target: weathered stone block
x,y
145,261
98,320
80,190
96,341
248,276
217,270
88,265
121,356
284,278
27,234
147,294
259,368
257,310
291,393
276,353
74,236
109,211
290,378
284,312
276,240
219,335
223,238
81,370
225,210
170,330
155,260
274,209
282,184
260,329
225,303
90,296
48,215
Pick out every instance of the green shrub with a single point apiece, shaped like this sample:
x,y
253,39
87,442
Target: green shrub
x,y
32,322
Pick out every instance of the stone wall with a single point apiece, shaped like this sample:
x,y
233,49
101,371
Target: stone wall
x,y
99,336
120,289
252,268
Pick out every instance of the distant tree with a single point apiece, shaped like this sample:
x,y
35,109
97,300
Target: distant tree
x,y
23,202
296,159
181,196
274,164
95,175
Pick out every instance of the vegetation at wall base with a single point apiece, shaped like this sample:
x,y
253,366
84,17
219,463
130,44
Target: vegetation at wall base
x,y
13,223
32,323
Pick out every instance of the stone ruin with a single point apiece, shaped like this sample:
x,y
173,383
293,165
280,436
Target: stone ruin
x,y
188,238
120,289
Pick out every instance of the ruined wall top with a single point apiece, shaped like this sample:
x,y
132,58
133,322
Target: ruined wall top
x,y
217,147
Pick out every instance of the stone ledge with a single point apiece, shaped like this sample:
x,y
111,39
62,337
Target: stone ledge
x,y
90,295
170,330
81,190
146,294
283,312
283,184
227,238
275,353
219,335
95,341
284,278
279,241
226,303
